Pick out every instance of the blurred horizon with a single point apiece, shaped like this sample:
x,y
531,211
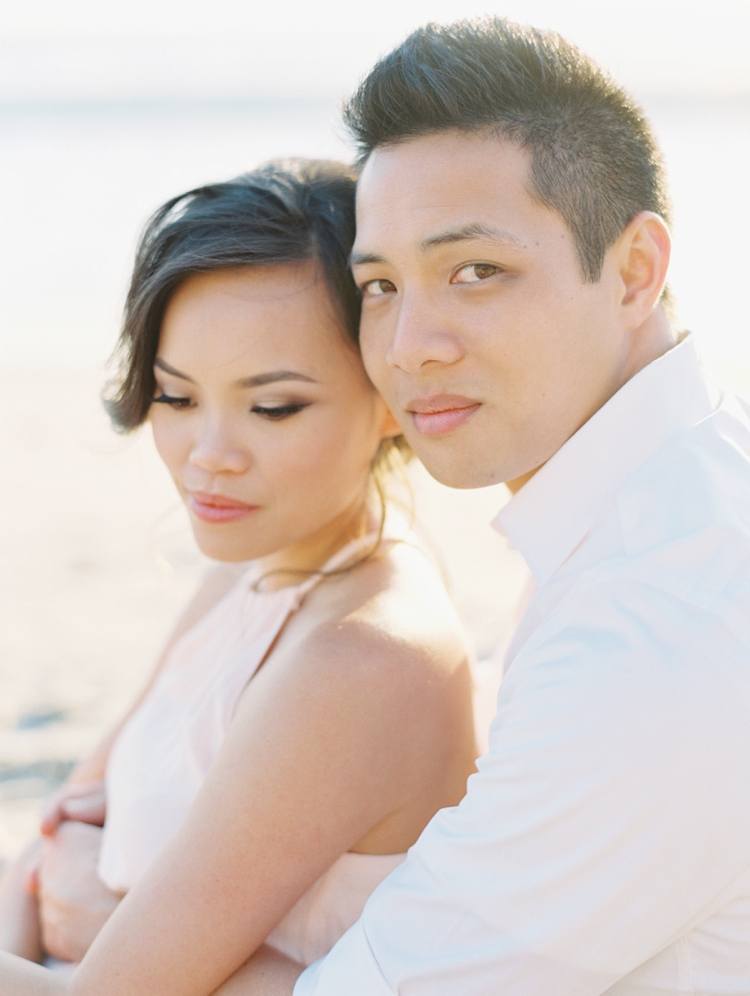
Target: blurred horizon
x,y
85,51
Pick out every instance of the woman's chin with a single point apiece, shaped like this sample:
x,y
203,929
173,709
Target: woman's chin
x,y
218,543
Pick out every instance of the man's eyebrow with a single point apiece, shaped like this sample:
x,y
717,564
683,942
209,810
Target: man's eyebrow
x,y
472,230
464,233
360,258
258,380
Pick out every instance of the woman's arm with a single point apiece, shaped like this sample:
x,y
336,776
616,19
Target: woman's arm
x,y
331,742
19,977
267,973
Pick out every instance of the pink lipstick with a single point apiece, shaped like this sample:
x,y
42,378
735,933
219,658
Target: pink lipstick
x,y
441,413
218,508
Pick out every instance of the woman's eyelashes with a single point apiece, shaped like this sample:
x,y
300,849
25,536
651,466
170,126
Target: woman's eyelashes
x,y
270,410
172,401
277,412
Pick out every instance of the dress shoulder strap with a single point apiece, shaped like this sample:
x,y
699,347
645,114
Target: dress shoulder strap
x,y
340,559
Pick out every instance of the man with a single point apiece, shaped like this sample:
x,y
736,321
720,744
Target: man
x,y
512,250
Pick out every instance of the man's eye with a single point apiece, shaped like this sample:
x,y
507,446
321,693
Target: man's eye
x,y
277,412
377,288
474,272
167,399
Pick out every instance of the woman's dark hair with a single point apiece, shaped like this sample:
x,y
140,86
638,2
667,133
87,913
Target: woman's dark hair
x,y
286,211
594,159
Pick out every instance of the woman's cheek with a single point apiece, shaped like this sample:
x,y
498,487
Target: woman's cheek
x,y
170,439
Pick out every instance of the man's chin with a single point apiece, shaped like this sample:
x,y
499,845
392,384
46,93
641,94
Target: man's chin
x,y
458,470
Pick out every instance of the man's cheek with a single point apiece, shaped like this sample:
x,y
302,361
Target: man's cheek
x,y
374,350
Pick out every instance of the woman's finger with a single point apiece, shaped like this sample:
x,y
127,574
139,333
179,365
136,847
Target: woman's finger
x,y
85,803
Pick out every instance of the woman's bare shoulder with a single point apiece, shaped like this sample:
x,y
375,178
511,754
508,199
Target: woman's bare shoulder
x,y
389,628
395,602
374,669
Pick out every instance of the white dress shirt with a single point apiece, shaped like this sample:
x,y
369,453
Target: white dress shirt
x,y
604,845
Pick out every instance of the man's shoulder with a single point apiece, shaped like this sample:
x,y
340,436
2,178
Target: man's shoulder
x,y
641,677
684,516
666,612
659,628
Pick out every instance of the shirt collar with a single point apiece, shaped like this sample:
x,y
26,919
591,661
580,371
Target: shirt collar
x,y
547,519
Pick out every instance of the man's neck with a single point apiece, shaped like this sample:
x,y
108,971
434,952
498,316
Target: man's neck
x,y
648,342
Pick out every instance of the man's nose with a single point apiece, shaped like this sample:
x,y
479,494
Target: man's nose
x,y
422,337
218,451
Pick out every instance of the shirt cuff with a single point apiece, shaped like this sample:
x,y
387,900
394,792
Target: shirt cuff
x,y
350,969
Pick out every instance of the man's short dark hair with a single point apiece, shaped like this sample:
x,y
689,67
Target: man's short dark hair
x,y
594,159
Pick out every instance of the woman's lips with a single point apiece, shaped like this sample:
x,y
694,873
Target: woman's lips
x,y
217,508
441,413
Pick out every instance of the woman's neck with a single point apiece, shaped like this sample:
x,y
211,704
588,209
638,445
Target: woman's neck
x,y
285,567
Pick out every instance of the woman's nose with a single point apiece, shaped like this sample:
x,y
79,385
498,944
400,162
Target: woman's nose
x,y
217,451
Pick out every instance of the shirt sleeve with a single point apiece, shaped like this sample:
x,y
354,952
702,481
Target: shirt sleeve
x,y
609,814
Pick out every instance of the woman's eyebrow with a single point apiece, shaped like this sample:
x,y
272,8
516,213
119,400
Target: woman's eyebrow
x,y
257,380
270,378
163,365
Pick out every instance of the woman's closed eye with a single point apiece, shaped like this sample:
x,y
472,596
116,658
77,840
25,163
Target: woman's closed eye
x,y
472,273
172,401
277,412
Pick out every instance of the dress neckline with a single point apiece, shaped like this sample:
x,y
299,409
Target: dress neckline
x,y
299,590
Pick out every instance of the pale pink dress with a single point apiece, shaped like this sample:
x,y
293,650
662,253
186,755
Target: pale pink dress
x,y
164,752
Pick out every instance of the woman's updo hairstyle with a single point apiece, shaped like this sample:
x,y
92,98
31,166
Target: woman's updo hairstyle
x,y
283,212
286,211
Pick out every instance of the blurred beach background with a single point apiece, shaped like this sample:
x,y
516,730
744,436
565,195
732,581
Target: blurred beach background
x,y
108,109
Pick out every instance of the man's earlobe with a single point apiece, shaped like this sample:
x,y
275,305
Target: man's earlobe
x,y
645,247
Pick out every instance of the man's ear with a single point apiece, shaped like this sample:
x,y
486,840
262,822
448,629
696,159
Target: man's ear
x,y
643,252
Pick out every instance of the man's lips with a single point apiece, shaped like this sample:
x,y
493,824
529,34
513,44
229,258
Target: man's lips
x,y
441,413
218,508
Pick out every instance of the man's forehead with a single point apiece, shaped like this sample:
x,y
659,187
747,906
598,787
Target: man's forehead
x,y
429,153
444,188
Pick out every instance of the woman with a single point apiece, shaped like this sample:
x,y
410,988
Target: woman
x,y
314,710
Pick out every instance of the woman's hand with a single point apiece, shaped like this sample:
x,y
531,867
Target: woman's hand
x,y
19,911
74,905
85,803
